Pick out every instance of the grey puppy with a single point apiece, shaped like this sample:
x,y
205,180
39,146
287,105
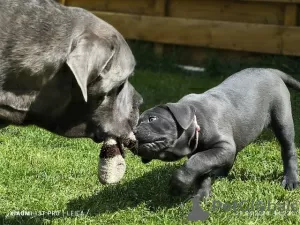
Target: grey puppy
x,y
65,70
230,116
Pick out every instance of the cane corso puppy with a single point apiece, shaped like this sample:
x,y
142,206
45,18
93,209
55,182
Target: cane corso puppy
x,y
211,128
65,70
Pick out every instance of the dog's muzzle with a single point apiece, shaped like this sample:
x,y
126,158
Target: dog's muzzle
x,y
130,141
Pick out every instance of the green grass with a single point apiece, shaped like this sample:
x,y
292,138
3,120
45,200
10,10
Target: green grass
x,y
40,171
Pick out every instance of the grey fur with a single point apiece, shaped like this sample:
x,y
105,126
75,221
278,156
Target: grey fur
x,y
230,116
65,70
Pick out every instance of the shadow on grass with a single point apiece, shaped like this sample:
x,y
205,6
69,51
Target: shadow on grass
x,y
266,136
151,190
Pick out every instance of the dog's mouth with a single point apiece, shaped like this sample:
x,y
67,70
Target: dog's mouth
x,y
155,150
150,150
152,146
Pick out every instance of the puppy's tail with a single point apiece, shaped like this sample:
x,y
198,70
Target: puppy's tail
x,y
289,81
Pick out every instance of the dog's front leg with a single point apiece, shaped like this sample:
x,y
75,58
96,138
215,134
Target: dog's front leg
x,y
203,187
201,164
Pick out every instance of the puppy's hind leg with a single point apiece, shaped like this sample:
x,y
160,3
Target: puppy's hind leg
x,y
283,127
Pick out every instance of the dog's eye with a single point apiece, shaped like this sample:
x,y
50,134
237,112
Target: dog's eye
x,y
152,118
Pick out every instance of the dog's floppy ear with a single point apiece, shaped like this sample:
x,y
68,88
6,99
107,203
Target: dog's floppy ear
x,y
91,54
184,114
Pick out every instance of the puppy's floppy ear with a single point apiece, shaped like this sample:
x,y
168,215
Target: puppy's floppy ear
x,y
184,114
91,54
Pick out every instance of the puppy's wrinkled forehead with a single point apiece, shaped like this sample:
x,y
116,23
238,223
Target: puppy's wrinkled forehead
x,y
159,111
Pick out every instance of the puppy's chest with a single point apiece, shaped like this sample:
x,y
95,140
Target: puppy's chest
x,y
200,148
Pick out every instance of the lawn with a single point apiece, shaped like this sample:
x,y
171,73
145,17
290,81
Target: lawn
x,y
42,173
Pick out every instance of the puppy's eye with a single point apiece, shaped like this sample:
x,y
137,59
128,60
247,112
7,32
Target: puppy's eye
x,y
152,118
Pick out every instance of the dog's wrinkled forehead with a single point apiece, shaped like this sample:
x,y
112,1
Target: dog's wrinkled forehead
x,y
159,111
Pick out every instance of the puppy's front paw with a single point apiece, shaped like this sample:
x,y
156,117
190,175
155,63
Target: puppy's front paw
x,y
290,182
203,193
180,183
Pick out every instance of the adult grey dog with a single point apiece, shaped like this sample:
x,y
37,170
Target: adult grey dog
x,y
229,117
65,70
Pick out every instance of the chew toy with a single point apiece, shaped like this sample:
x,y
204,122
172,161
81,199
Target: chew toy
x,y
112,166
